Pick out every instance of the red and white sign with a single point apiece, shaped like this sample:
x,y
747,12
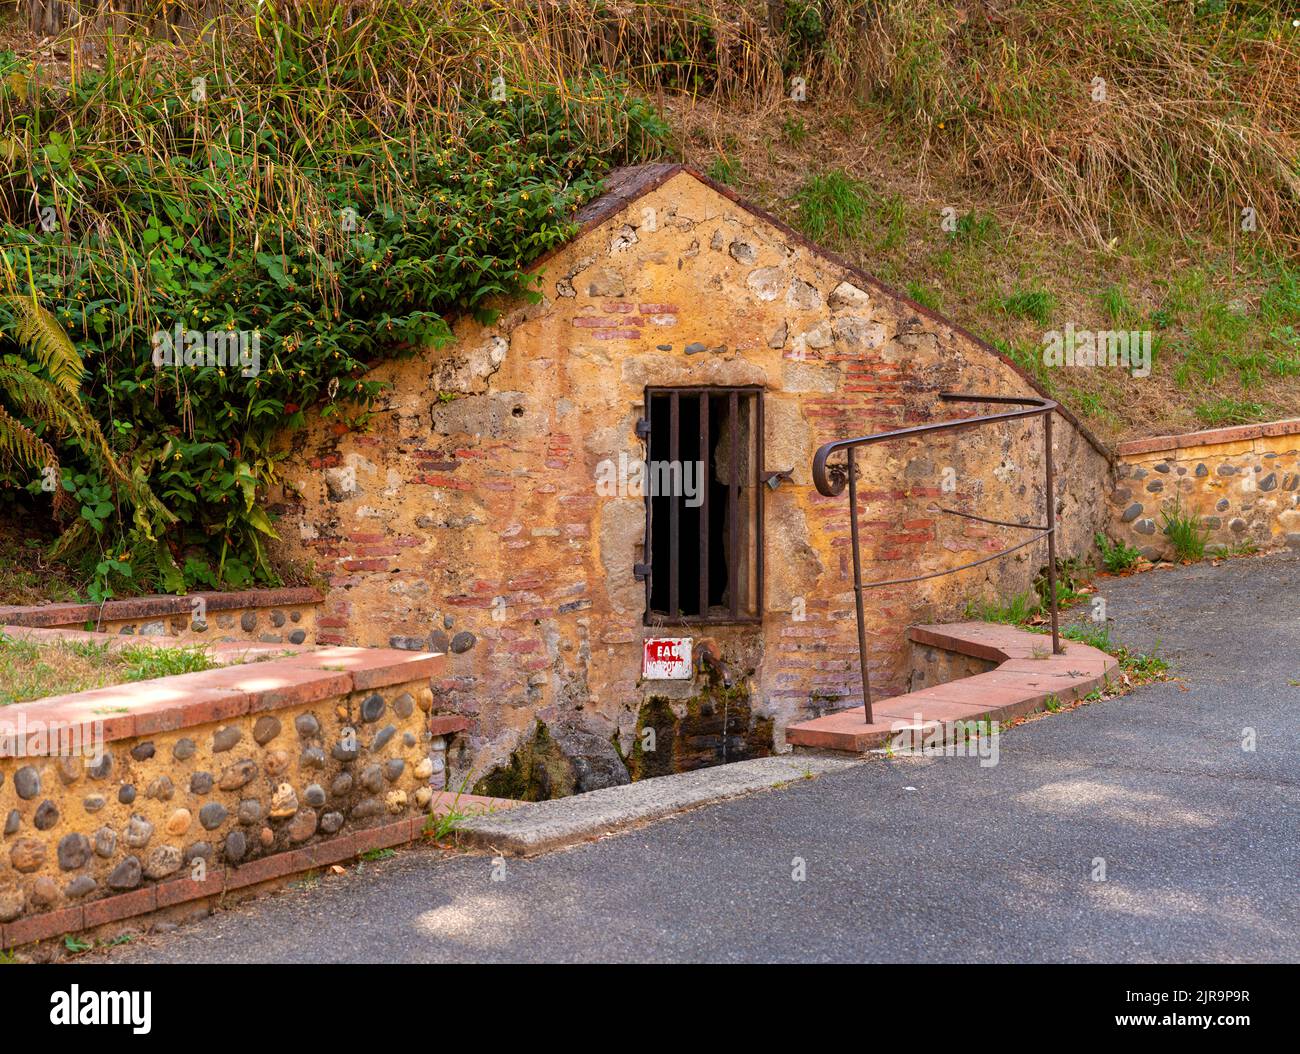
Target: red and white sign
x,y
667,659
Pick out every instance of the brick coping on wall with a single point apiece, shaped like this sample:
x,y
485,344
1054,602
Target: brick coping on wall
x,y
143,708
1210,437
224,653
1023,682
157,606
278,865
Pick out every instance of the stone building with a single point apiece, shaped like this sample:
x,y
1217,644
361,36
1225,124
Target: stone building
x,y
492,506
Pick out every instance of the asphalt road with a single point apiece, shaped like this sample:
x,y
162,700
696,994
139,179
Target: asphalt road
x,y
927,859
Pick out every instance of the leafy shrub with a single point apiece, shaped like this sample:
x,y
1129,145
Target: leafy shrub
x,y
274,180
1184,532
1116,556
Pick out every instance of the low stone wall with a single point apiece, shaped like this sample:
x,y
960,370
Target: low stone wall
x,y
1242,483
933,665
117,801
266,616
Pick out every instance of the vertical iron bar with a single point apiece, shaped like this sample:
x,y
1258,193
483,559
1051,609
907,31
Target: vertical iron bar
x,y
674,503
1051,530
703,481
756,480
857,588
733,558
647,550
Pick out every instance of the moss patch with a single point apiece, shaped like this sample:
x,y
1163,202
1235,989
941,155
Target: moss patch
x,y
719,727
537,771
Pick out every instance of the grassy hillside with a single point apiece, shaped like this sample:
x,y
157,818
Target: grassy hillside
x,y
1224,317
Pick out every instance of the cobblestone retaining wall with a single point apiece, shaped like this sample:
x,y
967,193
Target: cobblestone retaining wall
x,y
118,800
1243,484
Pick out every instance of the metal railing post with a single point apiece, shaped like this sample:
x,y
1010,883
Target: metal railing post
x,y
1051,531
857,587
830,487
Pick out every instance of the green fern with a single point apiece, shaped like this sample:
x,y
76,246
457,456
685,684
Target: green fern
x,y
39,331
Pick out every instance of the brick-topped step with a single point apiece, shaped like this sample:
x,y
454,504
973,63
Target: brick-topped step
x,y
1028,675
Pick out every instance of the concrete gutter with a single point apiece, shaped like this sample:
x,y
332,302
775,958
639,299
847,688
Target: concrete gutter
x,y
564,821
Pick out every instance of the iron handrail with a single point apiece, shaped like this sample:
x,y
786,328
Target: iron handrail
x,y
830,481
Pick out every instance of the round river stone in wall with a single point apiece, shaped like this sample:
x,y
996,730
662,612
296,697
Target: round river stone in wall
x,y
266,729
11,904
236,846
249,811
179,822
27,783
240,774
303,825
307,725
143,751
312,758
138,831
197,851
284,802
297,636
126,794
103,768
462,642
331,822
213,815
93,802
201,783
342,785
314,795
404,705
47,815
163,860
12,822
248,621
126,875
80,886
70,769
372,709
73,851
184,749
276,762
27,855
161,789
105,842
44,892
226,738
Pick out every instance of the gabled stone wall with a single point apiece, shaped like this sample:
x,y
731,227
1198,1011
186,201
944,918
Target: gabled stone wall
x,y
464,515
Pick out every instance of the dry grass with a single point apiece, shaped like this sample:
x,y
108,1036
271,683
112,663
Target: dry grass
x,y
29,670
1185,288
